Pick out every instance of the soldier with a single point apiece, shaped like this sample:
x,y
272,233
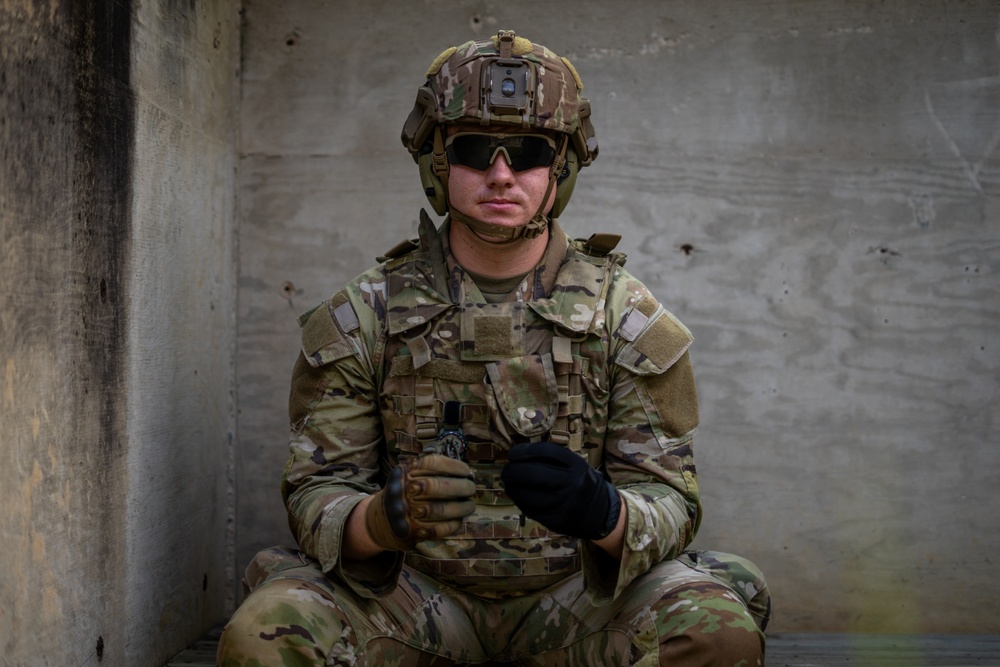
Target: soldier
x,y
491,453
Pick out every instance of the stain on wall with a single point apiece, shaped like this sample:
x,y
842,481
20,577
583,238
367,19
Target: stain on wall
x,y
104,135
102,240
68,130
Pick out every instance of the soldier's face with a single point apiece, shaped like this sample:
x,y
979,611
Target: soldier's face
x,y
498,194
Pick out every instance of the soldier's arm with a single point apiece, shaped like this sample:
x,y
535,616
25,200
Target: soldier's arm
x,y
614,543
337,443
648,456
357,543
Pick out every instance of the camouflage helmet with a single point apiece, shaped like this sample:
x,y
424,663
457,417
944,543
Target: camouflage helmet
x,y
500,81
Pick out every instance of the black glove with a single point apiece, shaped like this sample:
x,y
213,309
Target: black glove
x,y
559,489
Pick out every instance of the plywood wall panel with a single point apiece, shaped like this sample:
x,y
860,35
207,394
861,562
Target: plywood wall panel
x,y
812,188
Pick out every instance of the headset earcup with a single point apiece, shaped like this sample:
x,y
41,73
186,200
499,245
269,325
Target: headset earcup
x,y
566,182
432,185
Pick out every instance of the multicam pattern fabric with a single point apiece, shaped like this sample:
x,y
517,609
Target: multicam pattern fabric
x,y
457,80
299,616
580,354
416,332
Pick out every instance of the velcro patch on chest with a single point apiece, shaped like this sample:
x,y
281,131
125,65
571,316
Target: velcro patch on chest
x,y
493,335
492,331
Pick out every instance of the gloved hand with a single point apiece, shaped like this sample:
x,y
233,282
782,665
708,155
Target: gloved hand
x,y
559,489
425,499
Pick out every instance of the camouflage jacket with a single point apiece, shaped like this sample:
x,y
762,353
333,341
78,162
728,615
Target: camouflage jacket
x,y
580,354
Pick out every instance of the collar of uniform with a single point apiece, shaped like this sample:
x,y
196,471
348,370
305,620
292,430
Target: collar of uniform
x,y
415,284
548,269
576,285
460,284
543,276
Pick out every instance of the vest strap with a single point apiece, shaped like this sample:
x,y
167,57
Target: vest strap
x,y
566,430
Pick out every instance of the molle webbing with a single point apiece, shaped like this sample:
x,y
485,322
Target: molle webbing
x,y
420,351
506,544
462,372
427,408
493,333
552,568
425,405
475,452
567,427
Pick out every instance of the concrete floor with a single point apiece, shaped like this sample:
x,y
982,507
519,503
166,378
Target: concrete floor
x,y
796,650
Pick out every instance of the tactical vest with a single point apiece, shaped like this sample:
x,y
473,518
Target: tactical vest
x,y
521,371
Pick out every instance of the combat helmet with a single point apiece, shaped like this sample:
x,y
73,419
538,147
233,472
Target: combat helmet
x,y
503,81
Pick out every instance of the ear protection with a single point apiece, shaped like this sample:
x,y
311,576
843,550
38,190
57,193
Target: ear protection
x,y
437,196
433,187
566,182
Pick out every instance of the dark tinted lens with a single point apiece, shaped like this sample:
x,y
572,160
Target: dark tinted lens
x,y
476,151
471,150
527,152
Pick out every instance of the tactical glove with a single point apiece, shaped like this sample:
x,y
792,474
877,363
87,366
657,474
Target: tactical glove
x,y
559,489
425,499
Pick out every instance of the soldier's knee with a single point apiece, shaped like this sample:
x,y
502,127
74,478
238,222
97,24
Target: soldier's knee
x,y
268,627
240,644
726,648
236,646
707,624
741,575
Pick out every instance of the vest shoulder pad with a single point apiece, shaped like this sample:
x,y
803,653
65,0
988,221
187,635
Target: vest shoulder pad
x,y
398,250
326,329
601,245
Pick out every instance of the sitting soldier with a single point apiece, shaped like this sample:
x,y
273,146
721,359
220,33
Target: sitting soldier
x,y
491,453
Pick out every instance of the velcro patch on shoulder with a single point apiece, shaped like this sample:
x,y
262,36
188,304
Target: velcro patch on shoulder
x,y
325,331
656,339
675,398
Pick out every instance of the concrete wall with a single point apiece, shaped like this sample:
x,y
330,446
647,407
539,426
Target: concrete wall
x,y
117,327
814,188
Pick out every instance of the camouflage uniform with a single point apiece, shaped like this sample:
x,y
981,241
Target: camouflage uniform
x,y
580,354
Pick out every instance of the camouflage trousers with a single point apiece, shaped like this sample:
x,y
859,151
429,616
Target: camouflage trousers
x,y
704,608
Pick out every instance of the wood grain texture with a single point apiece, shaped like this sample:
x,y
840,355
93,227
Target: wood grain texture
x,y
794,650
814,191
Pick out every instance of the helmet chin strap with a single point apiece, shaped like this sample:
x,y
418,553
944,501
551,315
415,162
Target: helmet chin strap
x,y
488,231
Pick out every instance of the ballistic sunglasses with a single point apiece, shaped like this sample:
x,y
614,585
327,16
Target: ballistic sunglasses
x,y
478,150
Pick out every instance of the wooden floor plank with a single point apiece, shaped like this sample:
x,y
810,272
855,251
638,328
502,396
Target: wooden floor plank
x,y
822,650
794,650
